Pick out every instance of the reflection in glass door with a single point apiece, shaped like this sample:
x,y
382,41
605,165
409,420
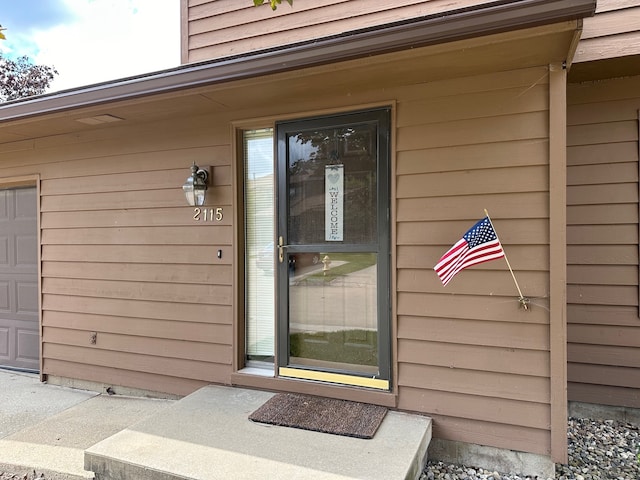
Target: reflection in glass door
x,y
333,249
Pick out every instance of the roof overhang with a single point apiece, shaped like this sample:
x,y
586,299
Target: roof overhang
x,y
486,19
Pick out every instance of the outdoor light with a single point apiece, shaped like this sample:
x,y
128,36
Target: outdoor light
x,y
195,188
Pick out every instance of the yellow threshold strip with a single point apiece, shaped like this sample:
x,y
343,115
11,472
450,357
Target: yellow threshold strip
x,y
334,378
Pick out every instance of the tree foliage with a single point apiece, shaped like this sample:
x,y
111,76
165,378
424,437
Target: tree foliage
x,y
20,78
274,3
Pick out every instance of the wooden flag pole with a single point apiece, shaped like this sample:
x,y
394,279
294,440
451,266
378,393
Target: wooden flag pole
x,y
524,302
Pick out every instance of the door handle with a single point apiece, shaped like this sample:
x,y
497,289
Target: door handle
x,y
281,247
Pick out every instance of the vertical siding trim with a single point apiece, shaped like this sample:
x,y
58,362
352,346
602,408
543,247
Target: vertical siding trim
x,y
393,247
184,31
36,179
558,259
239,315
638,147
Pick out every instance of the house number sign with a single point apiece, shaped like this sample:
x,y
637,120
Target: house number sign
x,y
207,214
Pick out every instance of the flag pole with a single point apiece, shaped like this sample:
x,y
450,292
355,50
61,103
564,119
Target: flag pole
x,y
524,302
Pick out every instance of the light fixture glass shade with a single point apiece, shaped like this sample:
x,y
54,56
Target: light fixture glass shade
x,y
195,187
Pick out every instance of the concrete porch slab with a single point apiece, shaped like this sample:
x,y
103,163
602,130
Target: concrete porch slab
x,y
207,435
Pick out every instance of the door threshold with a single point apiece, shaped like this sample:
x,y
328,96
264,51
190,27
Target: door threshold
x,y
259,371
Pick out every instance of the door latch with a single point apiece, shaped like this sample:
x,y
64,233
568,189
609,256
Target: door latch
x,y
281,247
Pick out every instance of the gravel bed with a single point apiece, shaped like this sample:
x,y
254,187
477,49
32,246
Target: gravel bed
x,y
26,474
598,450
22,476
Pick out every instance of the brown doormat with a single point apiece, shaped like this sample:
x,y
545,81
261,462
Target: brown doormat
x,y
328,415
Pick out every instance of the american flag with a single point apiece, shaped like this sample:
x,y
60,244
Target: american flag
x,y
479,244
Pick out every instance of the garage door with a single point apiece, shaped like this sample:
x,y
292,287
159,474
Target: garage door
x,y
19,332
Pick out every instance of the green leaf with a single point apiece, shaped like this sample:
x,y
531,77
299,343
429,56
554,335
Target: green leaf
x,y
273,3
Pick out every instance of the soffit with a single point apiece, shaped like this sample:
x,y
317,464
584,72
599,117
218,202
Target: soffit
x,y
602,69
499,52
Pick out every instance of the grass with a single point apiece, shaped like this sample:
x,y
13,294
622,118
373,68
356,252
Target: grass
x,y
355,347
353,263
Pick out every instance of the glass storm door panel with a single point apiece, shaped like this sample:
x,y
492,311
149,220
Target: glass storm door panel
x,y
333,249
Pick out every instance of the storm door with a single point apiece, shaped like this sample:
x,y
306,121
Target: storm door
x,y
332,249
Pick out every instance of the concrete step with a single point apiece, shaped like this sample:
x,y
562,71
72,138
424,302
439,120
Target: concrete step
x,y
47,428
207,436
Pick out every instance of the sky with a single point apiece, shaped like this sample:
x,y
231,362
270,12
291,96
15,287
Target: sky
x,y
92,41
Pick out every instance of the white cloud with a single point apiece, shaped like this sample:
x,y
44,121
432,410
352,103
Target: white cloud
x,y
110,39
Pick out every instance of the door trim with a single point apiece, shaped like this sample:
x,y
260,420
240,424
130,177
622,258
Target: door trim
x,y
33,180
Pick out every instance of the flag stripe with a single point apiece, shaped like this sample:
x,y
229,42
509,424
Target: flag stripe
x,y
474,261
478,245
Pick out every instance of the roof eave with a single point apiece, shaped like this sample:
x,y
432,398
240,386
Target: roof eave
x,y
487,19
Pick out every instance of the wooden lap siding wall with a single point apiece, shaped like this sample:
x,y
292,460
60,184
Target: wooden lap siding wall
x,y
476,362
219,28
614,32
123,257
602,238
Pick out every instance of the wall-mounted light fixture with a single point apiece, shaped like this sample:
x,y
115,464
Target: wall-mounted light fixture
x,y
195,188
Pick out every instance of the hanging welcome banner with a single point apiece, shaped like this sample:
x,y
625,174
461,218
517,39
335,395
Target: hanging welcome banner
x,y
334,203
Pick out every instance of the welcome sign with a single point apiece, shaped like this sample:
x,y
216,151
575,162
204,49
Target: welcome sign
x,y
334,203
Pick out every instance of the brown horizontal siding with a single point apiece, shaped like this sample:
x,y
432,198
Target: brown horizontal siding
x,y
602,242
526,257
604,374
139,308
600,234
603,354
122,256
469,346
188,293
621,335
613,32
424,281
484,384
529,430
497,412
125,218
208,274
218,28
157,347
603,394
128,253
515,335
210,333
599,274
113,376
476,357
172,367
138,235
516,231
493,155
593,315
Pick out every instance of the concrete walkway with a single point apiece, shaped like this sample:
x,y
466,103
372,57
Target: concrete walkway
x,y
203,436
48,428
